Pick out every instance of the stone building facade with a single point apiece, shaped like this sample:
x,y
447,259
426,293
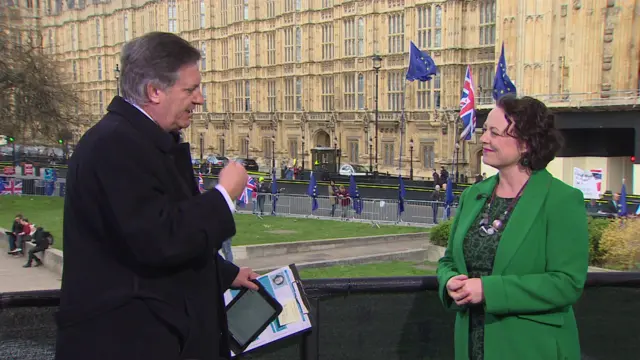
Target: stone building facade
x,y
284,76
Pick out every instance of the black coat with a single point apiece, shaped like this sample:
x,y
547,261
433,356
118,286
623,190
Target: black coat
x,y
142,276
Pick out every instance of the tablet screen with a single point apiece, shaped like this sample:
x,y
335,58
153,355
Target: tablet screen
x,y
248,315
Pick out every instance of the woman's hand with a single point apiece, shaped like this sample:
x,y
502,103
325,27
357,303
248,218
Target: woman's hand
x,y
455,287
472,288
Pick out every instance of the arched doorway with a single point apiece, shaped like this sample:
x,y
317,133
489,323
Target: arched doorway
x,y
322,139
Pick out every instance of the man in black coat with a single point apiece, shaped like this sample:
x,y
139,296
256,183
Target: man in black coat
x,y
142,276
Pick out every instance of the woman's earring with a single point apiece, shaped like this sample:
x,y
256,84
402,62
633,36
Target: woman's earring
x,y
524,161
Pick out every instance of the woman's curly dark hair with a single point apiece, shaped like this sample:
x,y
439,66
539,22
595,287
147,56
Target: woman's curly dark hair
x,y
532,124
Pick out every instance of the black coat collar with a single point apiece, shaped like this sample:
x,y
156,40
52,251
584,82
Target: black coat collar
x,y
165,141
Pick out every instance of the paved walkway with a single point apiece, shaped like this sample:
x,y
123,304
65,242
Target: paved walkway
x,y
332,254
13,277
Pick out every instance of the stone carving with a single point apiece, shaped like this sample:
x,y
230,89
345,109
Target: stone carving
x,y
366,120
274,121
606,62
608,35
252,120
577,4
226,122
304,119
333,120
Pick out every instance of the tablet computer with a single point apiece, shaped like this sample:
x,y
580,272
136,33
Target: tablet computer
x,y
248,314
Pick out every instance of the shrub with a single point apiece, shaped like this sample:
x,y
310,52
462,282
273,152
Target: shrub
x,y
596,227
440,236
440,233
620,244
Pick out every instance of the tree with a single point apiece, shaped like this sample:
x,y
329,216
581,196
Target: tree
x,y
37,104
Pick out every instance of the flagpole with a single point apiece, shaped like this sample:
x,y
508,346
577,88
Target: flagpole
x,y
402,127
455,142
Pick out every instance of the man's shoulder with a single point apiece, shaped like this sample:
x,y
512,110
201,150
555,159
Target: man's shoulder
x,y
112,132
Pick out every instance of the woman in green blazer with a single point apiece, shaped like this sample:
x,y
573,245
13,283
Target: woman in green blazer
x,y
518,251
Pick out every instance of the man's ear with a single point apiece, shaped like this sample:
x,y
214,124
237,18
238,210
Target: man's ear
x,y
154,93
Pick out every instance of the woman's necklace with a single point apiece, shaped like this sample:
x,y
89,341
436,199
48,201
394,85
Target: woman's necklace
x,y
497,225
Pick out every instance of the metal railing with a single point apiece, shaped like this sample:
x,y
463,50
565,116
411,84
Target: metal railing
x,y
388,318
32,185
374,211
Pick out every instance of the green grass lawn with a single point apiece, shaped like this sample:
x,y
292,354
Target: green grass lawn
x,y
47,212
382,269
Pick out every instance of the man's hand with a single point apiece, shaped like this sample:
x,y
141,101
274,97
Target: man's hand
x,y
455,288
245,275
233,178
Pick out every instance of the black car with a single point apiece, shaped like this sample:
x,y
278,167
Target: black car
x,y
249,164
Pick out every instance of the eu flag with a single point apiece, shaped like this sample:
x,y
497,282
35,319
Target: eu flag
x,y
355,195
421,65
622,207
448,200
401,195
312,191
502,85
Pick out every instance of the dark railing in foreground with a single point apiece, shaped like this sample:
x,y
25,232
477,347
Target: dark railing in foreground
x,y
367,318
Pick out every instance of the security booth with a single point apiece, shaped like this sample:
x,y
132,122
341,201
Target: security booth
x,y
325,162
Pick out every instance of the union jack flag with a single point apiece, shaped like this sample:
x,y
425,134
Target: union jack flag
x,y
467,107
9,186
200,183
248,191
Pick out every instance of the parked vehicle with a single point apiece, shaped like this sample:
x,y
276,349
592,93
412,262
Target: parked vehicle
x,y
353,169
249,164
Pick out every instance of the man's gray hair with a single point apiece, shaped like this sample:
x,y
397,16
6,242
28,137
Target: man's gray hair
x,y
153,58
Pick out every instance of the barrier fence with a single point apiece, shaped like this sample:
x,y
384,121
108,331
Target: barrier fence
x,y
32,185
373,319
375,211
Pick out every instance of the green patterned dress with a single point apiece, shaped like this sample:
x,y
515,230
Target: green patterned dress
x,y
479,254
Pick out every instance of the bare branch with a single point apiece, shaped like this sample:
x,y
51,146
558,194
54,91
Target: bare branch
x,y
36,103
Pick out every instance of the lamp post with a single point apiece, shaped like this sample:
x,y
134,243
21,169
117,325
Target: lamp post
x,y
222,150
377,64
457,176
370,155
411,159
201,147
116,73
335,147
304,155
246,141
273,153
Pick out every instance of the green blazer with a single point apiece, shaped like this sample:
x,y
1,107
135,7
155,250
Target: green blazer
x,y
539,272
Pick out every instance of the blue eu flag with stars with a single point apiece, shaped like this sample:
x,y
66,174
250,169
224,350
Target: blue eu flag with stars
x,y
355,195
312,191
402,193
421,65
502,85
